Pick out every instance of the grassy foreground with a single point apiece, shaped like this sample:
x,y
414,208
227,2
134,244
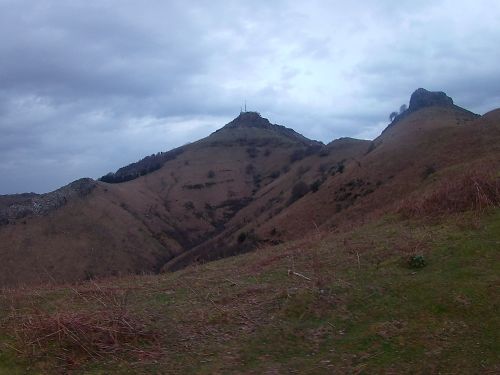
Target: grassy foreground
x,y
332,303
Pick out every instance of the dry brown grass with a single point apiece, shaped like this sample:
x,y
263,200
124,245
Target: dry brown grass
x,y
104,327
470,191
91,334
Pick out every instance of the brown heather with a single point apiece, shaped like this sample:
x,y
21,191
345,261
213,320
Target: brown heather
x,y
469,191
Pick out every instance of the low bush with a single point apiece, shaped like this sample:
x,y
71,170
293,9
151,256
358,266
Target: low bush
x,y
416,261
324,152
429,169
298,191
242,237
315,185
275,174
252,152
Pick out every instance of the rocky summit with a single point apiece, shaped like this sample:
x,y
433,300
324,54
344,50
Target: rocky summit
x,y
422,98
249,120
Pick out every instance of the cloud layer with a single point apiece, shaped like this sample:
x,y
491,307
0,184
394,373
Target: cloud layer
x,y
89,86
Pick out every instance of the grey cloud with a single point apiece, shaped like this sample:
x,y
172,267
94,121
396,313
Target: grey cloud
x,y
86,87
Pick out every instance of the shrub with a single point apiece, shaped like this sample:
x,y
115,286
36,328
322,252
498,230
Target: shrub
x,y
242,237
338,168
211,174
323,168
257,179
324,152
297,155
429,169
299,190
315,185
275,174
417,261
252,152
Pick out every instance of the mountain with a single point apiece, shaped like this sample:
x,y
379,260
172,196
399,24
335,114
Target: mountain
x,y
250,183
138,225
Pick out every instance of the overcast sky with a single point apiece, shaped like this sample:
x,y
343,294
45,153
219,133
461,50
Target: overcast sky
x,y
89,86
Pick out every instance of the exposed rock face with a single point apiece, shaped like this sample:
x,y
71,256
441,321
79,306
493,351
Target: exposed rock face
x,y
38,205
422,98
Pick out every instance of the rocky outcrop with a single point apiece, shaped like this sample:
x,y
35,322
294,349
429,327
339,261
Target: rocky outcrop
x,y
42,204
422,98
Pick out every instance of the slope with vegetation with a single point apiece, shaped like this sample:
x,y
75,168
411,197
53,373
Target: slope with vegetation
x,y
370,256
249,184
347,302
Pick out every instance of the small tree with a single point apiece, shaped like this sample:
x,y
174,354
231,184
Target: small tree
x,y
392,116
402,108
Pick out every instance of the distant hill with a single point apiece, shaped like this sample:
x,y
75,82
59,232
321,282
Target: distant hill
x,y
250,183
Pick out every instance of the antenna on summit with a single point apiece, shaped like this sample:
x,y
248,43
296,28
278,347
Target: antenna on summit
x,y
245,105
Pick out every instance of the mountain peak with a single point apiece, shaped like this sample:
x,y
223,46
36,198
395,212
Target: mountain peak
x,y
253,125
423,98
249,120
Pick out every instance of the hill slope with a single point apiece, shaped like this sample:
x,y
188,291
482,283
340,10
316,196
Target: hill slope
x,y
329,303
249,184
138,225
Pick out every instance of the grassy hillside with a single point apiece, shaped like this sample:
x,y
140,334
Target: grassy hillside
x,y
138,225
249,184
334,302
